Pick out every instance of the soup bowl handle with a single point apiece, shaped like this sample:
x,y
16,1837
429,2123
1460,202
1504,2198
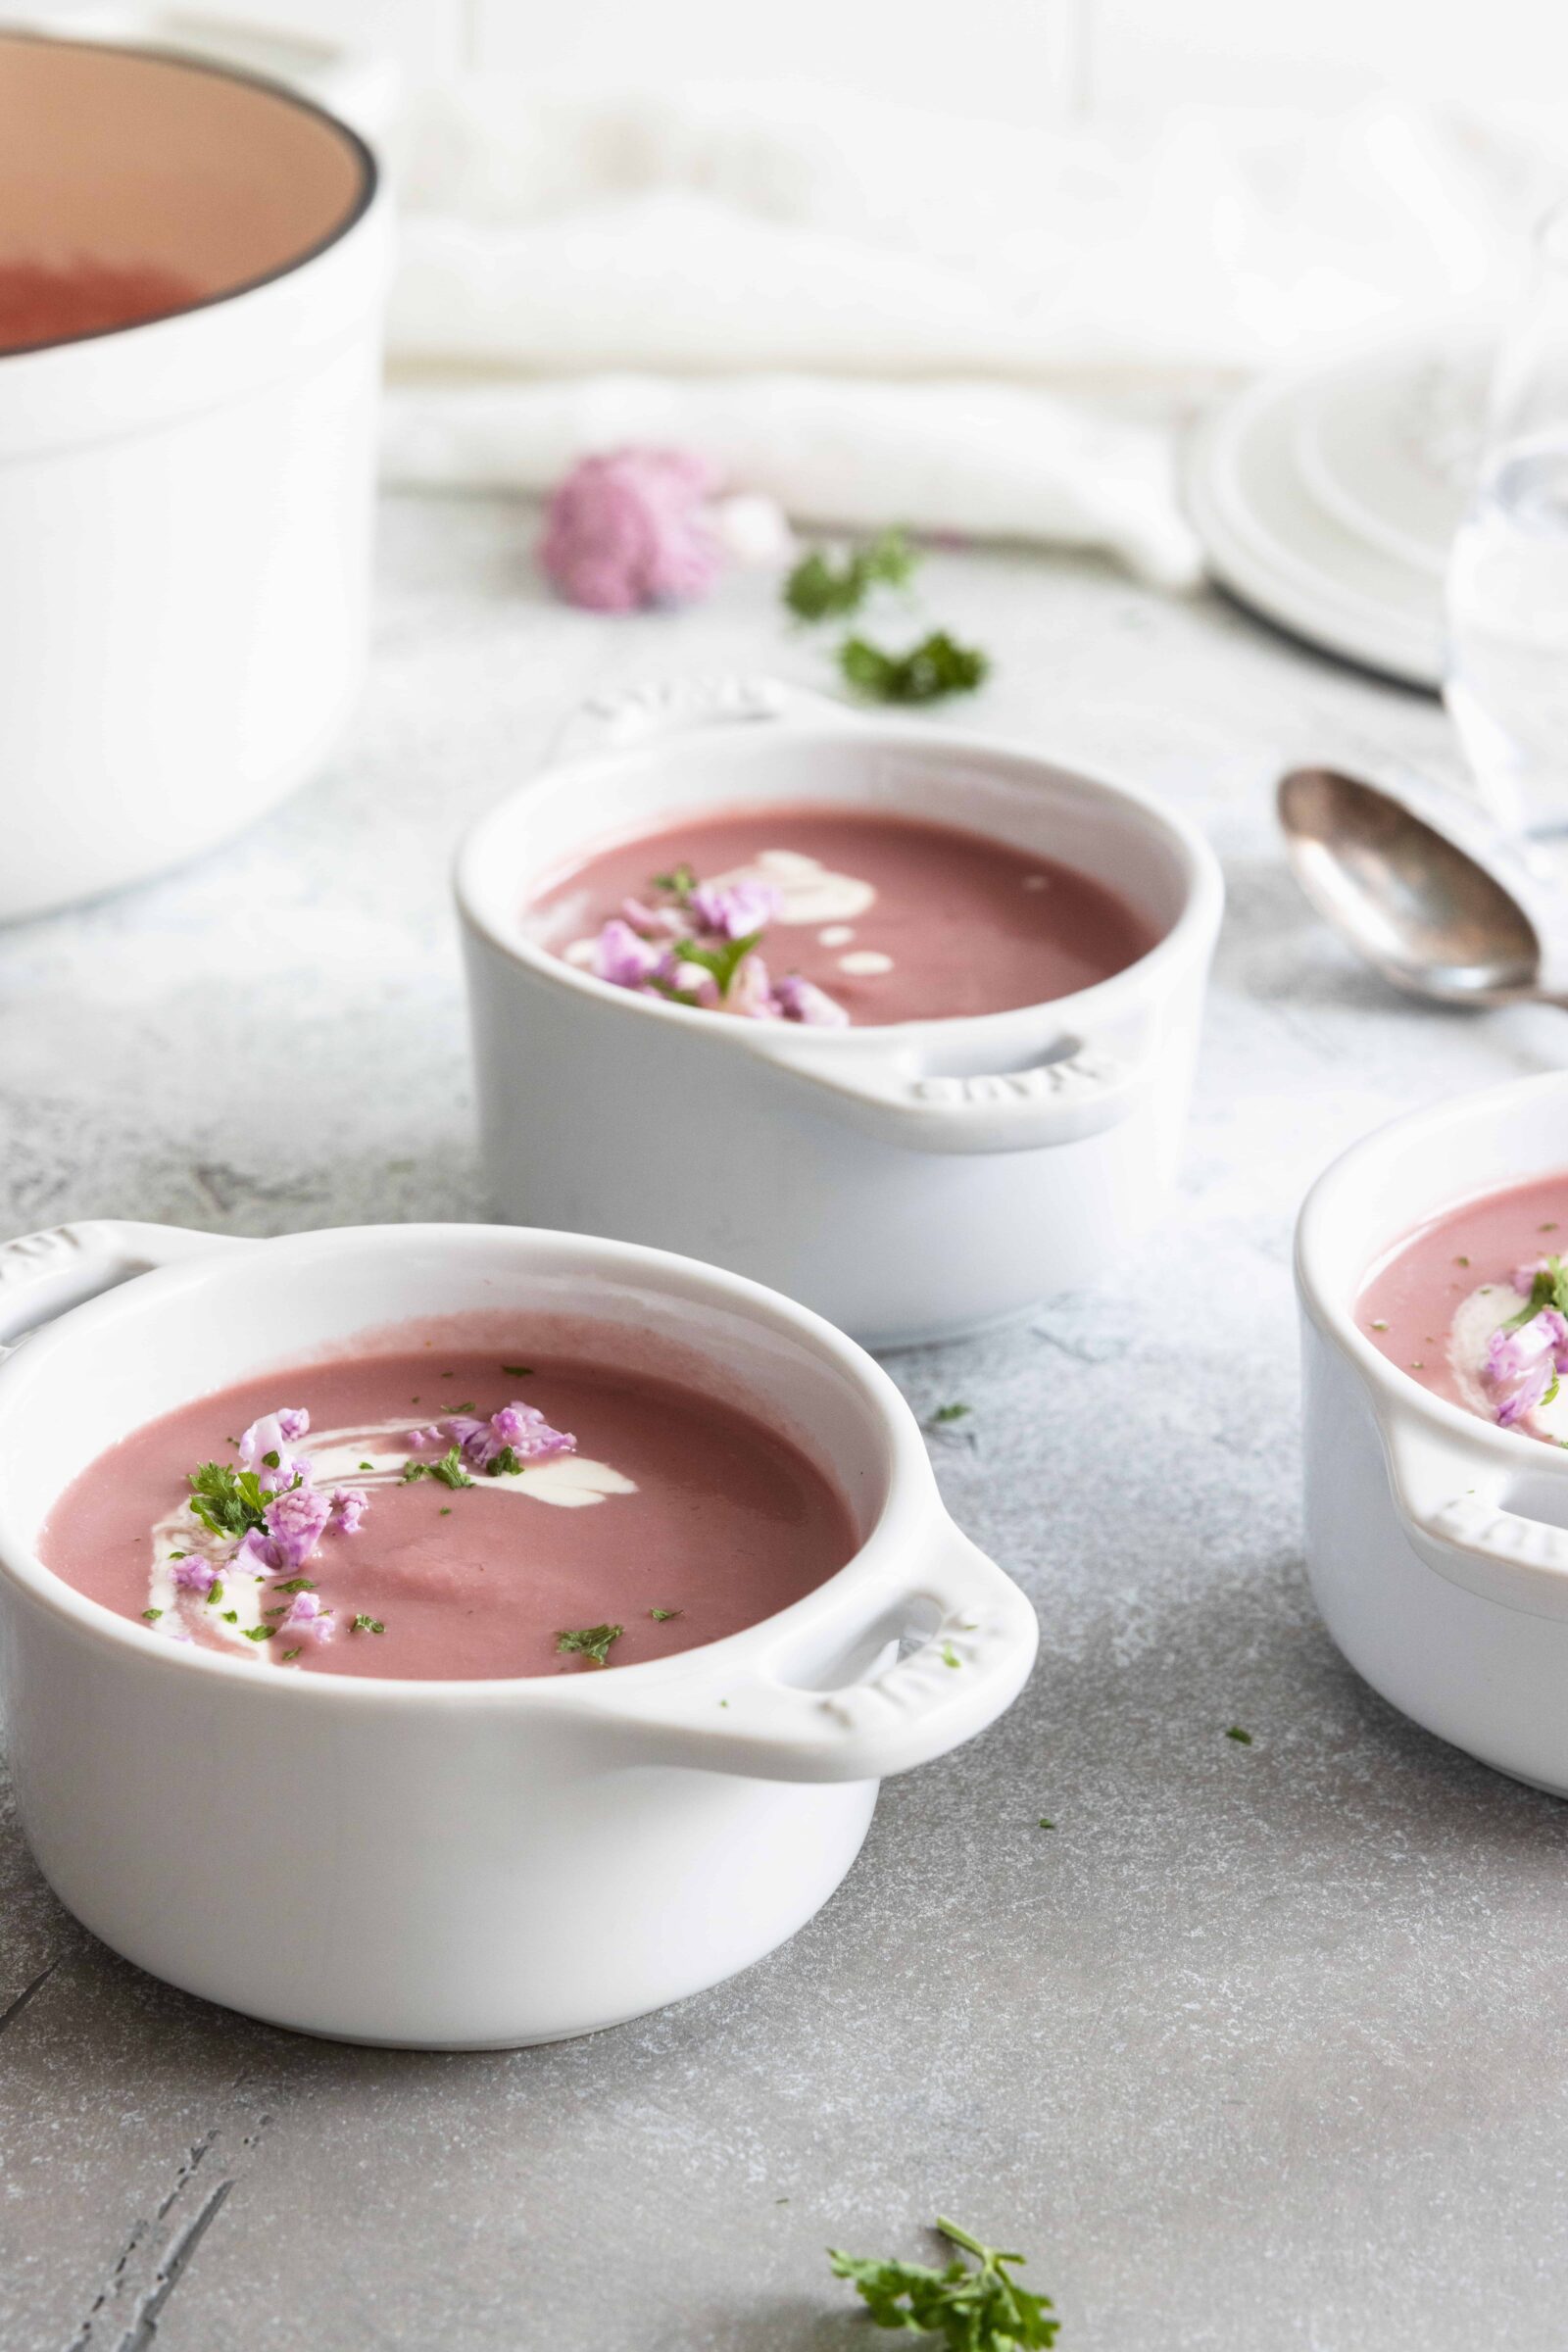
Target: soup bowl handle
x,y
1468,1533
45,1274
623,715
755,1722
1079,1093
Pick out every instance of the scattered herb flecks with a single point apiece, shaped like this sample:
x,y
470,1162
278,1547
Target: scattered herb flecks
x,y
946,1413
259,1633
450,1471
662,1616
1236,1732
928,672
295,1584
505,1464
1045,1824
518,1371
678,883
950,1656
975,2307
366,1625
289,1653
413,1470
152,1615
590,1642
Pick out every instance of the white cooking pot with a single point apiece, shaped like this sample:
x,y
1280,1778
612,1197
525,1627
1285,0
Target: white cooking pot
x,y
455,1864
1437,1543
184,505
912,1182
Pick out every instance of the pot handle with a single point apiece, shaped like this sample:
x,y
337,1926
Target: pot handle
x,y
630,714
1079,1093
43,1274
1470,1535
757,1724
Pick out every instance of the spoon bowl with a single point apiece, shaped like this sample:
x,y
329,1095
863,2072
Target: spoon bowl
x,y
1417,906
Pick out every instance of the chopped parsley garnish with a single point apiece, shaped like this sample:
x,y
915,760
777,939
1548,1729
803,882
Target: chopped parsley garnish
x,y
518,1371
273,1460
590,1642
289,1653
216,1595
662,1616
228,1501
259,1633
366,1624
929,672
367,1465
1380,1323
950,1656
450,1471
505,1464
413,1470
973,2307
951,1412
152,1615
295,1584
446,1510
1236,1732
679,883
817,590
231,1616
1461,1262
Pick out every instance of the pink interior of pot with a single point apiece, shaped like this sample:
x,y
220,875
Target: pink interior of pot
x,y
133,186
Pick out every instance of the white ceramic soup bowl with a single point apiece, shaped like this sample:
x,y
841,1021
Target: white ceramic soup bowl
x,y
912,1182
454,1864
185,503
1437,1543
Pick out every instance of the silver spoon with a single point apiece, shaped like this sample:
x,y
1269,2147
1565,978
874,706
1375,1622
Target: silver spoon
x,y
1445,921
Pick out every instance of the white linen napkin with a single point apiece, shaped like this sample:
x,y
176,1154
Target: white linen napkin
x,y
877,315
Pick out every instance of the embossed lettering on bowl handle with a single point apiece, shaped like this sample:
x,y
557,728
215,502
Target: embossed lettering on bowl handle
x,y
45,1274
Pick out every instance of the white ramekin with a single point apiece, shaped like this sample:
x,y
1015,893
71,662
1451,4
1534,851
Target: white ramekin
x,y
1437,1544
454,1864
185,505
912,1182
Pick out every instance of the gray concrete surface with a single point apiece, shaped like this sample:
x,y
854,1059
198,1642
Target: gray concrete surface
x,y
1260,2046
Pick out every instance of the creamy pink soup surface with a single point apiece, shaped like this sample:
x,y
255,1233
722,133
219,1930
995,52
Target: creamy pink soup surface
x,y
672,1518
1474,1306
893,919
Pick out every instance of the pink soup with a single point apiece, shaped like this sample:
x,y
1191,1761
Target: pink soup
x,y
1474,1306
448,1514
827,915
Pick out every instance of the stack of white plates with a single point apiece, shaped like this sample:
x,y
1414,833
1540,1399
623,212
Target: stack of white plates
x,y
1326,498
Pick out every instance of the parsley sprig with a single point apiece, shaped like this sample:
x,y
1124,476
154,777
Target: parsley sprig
x,y
973,2307
818,590
1549,1289
929,672
228,1501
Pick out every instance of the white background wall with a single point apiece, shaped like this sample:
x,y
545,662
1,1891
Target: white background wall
x,y
1025,60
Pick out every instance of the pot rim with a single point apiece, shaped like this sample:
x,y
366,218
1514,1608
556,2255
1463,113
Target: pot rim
x,y
369,174
1332,1313
909,1506
476,893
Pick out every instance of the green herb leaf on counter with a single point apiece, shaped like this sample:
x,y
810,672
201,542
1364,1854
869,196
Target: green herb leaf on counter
x,y
950,1656
928,672
817,590
590,1642
1045,1824
975,2307
366,1624
1242,1739
450,1471
950,1412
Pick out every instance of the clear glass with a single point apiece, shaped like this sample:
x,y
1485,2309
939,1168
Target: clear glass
x,y
1506,680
